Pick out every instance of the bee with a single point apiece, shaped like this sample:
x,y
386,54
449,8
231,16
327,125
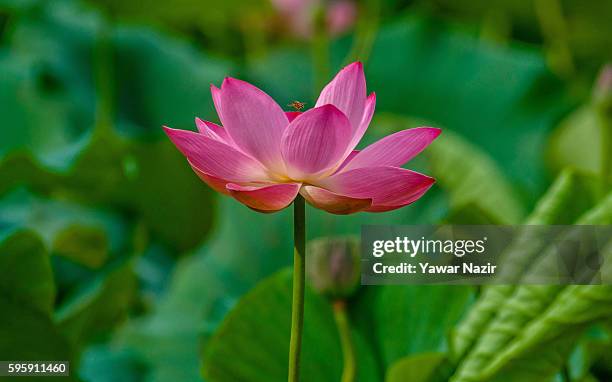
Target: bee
x,y
297,105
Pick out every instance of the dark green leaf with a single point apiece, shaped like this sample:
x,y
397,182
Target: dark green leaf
x,y
541,348
98,305
26,277
27,294
177,206
409,319
30,335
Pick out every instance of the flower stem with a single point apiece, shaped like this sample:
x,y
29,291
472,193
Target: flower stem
x,y
297,306
348,350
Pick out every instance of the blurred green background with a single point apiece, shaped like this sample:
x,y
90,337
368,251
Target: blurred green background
x,y
114,255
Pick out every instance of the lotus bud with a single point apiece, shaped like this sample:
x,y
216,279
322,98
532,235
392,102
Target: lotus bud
x,y
333,266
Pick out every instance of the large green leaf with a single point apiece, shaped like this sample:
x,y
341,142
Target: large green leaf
x,y
177,206
514,312
480,315
148,178
522,308
30,335
554,333
545,344
409,319
261,320
569,196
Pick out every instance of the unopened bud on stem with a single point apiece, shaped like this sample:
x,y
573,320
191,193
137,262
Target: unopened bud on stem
x,y
333,266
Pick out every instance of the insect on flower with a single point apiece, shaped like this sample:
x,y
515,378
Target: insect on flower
x,y
297,105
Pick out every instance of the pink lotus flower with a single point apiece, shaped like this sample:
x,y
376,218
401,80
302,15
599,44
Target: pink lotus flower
x,y
264,157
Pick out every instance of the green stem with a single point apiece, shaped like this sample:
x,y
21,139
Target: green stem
x,y
348,350
297,306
